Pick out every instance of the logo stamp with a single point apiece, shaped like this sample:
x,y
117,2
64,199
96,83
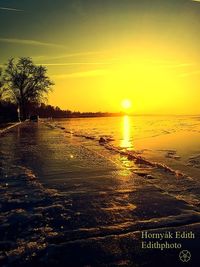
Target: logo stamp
x,y
185,256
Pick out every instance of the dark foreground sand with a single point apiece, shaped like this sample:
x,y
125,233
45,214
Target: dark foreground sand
x,y
64,203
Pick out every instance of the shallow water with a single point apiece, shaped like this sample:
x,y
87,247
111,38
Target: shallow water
x,y
62,191
159,145
173,140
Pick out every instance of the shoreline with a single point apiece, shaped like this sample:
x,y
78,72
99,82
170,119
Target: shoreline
x,y
54,206
9,127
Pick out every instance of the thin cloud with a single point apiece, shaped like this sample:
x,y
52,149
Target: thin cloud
x,y
196,1
91,73
197,72
11,9
166,64
63,56
177,65
29,42
73,63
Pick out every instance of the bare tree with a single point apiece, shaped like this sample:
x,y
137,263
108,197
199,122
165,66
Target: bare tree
x,y
26,83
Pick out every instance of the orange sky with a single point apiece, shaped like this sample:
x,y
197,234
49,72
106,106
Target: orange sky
x,y
101,52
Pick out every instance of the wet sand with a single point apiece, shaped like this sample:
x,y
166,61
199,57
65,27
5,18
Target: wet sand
x,y
66,203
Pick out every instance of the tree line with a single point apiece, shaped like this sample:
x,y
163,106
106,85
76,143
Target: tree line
x,y
24,88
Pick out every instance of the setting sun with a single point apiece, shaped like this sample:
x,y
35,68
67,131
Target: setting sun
x,y
126,104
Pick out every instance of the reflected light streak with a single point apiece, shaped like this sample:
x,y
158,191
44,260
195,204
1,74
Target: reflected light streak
x,y
126,129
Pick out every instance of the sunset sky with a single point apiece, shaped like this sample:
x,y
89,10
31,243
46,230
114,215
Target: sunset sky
x,y
99,52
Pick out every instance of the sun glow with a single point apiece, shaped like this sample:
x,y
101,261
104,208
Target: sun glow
x,y
151,84
126,104
155,86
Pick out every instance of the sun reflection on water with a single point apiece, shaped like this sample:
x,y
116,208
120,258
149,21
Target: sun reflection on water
x,y
126,132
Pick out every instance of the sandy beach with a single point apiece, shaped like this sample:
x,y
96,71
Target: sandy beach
x,y
60,198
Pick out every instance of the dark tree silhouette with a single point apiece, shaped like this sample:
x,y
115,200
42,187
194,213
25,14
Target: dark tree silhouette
x,y
1,85
26,84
